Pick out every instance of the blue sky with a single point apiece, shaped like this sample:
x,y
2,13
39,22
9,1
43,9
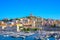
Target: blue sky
x,y
21,8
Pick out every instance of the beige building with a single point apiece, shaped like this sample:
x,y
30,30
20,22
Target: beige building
x,y
3,25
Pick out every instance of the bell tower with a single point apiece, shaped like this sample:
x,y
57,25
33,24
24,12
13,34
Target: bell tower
x,y
31,14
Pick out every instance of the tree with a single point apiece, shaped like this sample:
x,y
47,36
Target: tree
x,y
53,25
34,29
11,20
5,20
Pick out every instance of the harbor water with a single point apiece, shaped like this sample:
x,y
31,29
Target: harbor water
x,y
32,37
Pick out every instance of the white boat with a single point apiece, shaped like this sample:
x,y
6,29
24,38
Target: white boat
x,y
27,34
5,35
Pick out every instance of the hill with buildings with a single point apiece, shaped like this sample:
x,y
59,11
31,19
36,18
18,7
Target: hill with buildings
x,y
30,22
